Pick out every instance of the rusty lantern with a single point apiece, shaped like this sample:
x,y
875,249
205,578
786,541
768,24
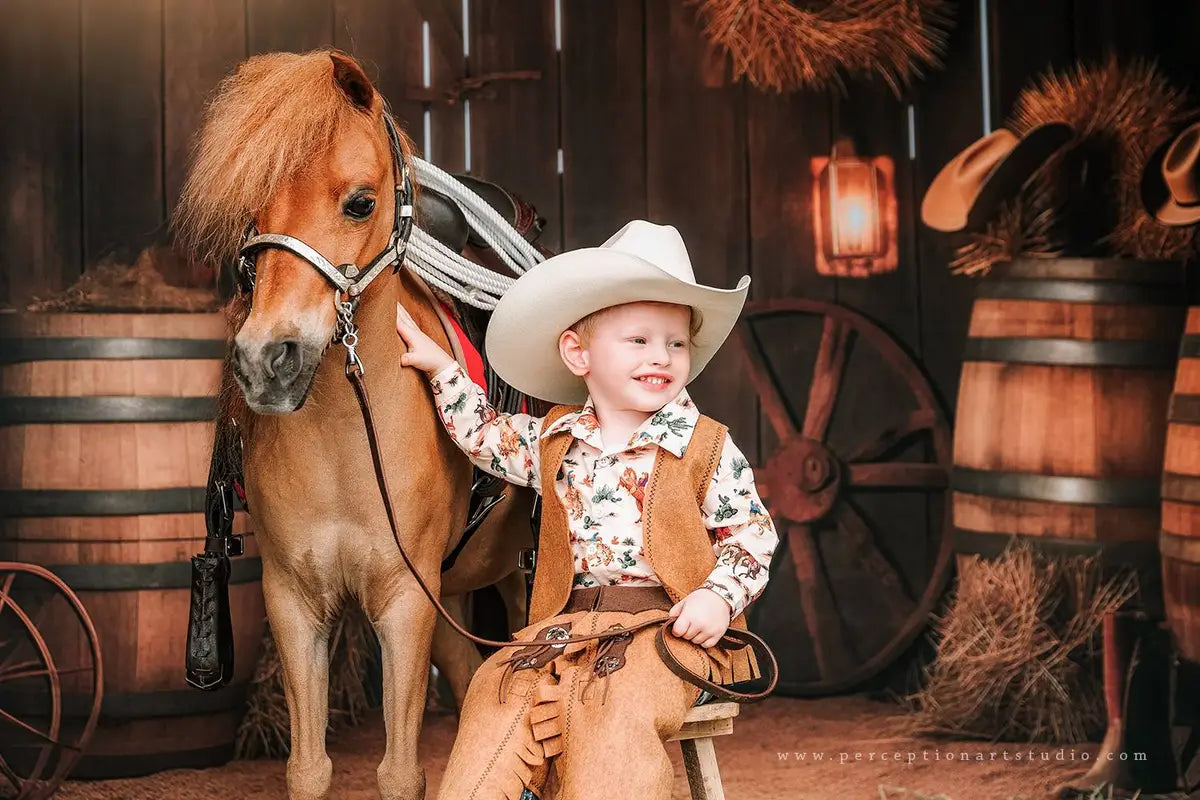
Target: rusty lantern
x,y
854,213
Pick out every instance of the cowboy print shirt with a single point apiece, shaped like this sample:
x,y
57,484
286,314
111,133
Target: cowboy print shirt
x,y
602,489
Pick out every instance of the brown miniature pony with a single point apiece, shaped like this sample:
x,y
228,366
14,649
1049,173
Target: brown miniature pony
x,y
297,145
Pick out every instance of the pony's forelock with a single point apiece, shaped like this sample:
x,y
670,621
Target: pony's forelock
x,y
265,123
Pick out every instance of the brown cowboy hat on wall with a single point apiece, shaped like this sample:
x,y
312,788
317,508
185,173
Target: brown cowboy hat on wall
x,y
1171,179
969,189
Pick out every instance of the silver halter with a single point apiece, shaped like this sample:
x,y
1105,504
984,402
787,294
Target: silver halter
x,y
349,280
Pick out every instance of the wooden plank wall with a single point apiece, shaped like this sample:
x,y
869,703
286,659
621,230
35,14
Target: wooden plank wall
x,y
99,107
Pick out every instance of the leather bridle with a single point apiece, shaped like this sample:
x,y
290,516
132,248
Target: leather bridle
x,y
349,282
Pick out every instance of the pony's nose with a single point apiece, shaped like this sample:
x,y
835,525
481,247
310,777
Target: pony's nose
x,y
282,360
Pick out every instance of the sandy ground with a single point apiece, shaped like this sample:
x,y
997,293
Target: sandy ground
x,y
825,749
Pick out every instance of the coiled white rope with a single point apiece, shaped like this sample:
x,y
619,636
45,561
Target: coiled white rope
x,y
440,266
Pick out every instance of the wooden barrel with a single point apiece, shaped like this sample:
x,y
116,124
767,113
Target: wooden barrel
x,y
1180,539
1061,417
105,435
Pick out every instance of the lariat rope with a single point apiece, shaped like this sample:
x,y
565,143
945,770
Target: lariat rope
x,y
440,266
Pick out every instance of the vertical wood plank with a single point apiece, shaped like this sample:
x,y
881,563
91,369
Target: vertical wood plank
x,y
288,25
949,116
603,119
40,203
123,207
1020,51
447,67
386,38
696,181
201,44
514,123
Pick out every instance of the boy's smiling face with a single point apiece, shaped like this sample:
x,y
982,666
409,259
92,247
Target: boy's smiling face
x,y
633,357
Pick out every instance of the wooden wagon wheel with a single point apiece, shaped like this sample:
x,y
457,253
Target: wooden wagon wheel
x,y
40,667
863,588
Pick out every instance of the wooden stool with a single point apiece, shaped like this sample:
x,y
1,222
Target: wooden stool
x,y
699,753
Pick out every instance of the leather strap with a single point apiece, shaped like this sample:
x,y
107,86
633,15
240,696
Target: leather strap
x,y
734,638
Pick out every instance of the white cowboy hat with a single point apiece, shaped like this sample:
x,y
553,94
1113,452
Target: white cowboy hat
x,y
640,262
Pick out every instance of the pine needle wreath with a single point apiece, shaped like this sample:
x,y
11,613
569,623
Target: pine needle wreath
x,y
1086,200
782,46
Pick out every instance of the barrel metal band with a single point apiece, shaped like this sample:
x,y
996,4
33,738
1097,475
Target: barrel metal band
x,y
1184,408
1071,352
1093,269
1178,547
1068,291
1180,488
1057,488
26,703
100,502
47,348
1141,555
132,577
50,410
1189,346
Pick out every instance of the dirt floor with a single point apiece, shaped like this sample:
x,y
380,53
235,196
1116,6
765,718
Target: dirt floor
x,y
826,749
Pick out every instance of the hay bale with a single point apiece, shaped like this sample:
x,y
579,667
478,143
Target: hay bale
x,y
1019,650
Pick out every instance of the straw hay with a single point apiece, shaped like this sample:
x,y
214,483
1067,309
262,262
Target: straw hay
x,y
1086,200
113,287
1019,650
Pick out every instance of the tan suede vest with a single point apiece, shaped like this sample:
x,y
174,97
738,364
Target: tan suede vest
x,y
675,540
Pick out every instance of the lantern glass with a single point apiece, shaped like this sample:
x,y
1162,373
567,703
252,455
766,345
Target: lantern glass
x,y
854,213
854,218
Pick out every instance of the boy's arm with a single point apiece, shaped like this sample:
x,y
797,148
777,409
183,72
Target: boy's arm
x,y
744,534
505,445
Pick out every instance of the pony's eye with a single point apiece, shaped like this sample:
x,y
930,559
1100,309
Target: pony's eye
x,y
360,206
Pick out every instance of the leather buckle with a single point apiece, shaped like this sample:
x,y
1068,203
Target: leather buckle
x,y
526,559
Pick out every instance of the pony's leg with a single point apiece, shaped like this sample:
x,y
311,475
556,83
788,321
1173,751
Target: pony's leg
x,y
303,644
454,656
405,631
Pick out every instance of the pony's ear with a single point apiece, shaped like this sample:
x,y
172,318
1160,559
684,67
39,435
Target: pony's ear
x,y
353,82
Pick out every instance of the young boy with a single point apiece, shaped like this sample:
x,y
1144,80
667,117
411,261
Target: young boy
x,y
648,506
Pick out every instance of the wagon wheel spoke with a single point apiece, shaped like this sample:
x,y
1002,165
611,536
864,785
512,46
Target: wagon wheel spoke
x,y
12,777
820,611
6,589
897,596
13,672
827,377
25,726
33,669
764,385
890,438
898,475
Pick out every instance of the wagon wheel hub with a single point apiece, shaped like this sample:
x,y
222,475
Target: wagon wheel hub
x,y
803,480
857,485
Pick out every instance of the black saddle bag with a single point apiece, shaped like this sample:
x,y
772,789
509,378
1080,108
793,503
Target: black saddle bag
x,y
209,658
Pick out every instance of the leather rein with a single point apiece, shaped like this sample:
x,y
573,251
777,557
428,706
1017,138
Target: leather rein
x,y
351,281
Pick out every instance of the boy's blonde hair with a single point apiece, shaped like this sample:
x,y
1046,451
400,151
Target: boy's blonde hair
x,y
586,326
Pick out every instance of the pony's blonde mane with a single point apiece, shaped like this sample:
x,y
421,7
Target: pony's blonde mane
x,y
266,123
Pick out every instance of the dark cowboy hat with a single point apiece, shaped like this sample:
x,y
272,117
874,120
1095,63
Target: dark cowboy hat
x,y
1171,180
969,189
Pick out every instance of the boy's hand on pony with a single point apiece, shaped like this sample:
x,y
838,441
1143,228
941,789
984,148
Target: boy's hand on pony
x,y
703,617
423,353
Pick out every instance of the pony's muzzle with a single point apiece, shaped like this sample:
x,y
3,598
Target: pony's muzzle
x,y
272,373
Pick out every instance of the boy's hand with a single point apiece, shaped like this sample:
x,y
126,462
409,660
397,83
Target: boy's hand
x,y
703,617
423,353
